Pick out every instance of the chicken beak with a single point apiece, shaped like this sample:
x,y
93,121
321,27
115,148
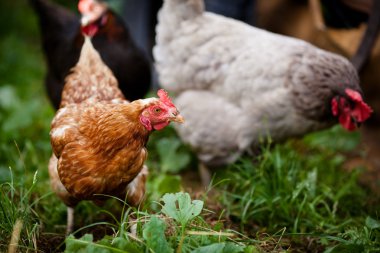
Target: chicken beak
x,y
178,119
84,20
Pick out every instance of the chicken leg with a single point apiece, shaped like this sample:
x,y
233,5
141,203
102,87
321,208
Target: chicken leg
x,y
70,220
204,174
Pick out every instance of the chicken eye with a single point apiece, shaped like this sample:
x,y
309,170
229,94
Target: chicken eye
x,y
157,110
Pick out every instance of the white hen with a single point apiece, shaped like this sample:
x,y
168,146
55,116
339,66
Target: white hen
x,y
235,83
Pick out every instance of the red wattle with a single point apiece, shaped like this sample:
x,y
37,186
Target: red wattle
x,y
361,111
160,125
146,123
346,122
334,107
90,30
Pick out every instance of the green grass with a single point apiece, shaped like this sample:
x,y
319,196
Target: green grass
x,y
16,205
293,197
304,189
177,227
300,187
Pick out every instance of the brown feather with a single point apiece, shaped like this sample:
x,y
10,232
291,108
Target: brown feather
x,y
97,139
85,83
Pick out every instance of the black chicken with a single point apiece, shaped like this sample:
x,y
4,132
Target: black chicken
x,y
62,41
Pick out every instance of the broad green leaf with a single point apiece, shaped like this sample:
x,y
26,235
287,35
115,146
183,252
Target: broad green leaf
x,y
213,248
372,223
335,138
180,207
171,157
220,248
77,245
154,235
96,248
85,244
251,249
169,207
168,184
126,245
233,248
189,209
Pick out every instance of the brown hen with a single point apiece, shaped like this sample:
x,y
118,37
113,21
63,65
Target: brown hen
x,y
98,138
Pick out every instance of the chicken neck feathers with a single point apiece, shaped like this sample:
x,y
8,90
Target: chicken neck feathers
x,y
90,79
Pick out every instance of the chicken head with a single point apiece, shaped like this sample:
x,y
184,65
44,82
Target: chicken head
x,y
160,114
92,16
350,109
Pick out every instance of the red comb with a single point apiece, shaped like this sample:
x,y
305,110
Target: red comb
x,y
362,111
354,95
164,97
84,6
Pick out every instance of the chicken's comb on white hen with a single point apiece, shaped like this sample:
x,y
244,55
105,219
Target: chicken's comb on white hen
x,y
350,115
